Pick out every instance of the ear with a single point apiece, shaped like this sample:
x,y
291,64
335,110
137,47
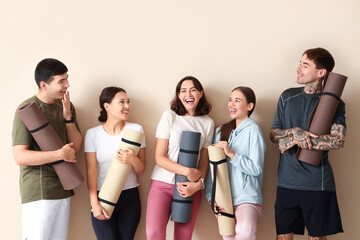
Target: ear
x,y
106,106
202,93
43,85
250,106
322,73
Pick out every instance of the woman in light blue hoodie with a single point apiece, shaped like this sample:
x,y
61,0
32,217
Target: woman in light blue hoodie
x,y
243,143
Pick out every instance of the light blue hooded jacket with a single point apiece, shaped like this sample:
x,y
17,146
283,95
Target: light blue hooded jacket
x,y
246,169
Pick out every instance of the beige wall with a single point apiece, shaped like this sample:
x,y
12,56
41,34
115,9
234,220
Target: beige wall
x,y
147,47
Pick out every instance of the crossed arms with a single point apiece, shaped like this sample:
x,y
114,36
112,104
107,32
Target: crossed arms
x,y
287,138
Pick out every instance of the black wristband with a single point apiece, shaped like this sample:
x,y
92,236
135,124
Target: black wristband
x,y
69,121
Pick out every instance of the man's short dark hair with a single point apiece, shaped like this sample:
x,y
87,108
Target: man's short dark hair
x,y
47,69
321,57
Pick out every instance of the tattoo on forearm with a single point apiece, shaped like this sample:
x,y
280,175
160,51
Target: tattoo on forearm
x,y
327,142
286,143
299,134
338,128
335,140
277,134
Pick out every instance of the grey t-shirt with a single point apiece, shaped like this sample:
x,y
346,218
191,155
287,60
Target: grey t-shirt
x,y
294,110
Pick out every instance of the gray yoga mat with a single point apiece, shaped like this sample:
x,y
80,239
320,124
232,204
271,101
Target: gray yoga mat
x,y
188,157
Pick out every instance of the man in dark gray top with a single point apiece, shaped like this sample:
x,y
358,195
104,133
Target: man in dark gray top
x,y
306,193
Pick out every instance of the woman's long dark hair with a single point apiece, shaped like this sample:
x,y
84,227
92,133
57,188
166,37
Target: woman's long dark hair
x,y
106,96
203,107
225,129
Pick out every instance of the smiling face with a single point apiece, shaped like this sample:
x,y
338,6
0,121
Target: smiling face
x,y
189,96
307,73
238,106
55,89
119,107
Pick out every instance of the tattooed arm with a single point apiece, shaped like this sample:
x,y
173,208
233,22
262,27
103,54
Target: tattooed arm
x,y
304,139
277,134
291,137
333,141
284,137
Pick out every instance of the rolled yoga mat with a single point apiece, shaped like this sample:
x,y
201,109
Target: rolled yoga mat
x,y
188,157
221,191
47,139
323,115
119,172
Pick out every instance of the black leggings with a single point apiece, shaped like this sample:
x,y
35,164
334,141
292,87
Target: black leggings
x,y
124,220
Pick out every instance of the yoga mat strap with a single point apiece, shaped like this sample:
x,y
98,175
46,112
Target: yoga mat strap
x,y
182,201
131,142
218,162
213,190
107,202
57,162
188,151
39,128
330,94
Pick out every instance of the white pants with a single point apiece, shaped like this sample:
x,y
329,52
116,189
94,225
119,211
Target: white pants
x,y
46,219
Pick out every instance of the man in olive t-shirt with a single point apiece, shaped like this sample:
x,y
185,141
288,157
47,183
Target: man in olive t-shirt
x,y
45,204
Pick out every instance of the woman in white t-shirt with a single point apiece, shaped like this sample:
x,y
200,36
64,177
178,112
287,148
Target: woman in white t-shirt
x,y
101,146
189,110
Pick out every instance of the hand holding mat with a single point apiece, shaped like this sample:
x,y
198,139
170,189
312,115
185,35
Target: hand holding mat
x,y
323,115
119,172
188,157
221,192
47,139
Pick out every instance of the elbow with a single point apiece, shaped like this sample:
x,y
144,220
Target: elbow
x,y
78,147
341,142
272,137
158,159
140,171
338,142
259,171
18,161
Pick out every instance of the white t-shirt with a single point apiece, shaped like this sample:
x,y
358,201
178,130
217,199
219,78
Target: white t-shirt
x,y
170,127
105,146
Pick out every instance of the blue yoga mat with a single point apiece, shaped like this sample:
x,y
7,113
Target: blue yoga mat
x,y
188,157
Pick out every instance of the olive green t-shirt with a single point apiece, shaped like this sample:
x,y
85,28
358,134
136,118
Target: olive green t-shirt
x,y
41,182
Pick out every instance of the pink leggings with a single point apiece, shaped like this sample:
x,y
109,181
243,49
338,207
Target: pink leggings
x,y
159,209
247,217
